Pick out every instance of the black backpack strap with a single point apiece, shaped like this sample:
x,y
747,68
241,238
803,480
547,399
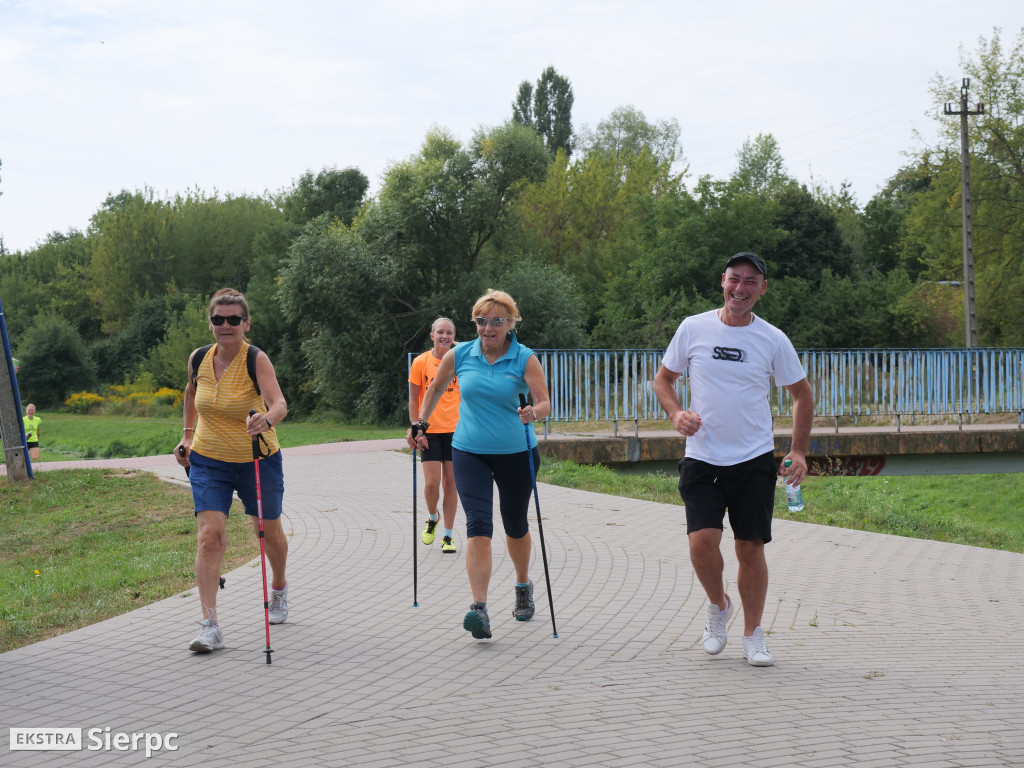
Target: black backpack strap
x,y
250,365
197,359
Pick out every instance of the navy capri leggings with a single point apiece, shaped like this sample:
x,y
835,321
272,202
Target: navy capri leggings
x,y
476,474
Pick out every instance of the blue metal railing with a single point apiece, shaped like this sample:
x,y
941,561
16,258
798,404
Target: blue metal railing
x,y
616,385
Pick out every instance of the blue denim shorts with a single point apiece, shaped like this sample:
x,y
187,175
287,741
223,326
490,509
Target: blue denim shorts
x,y
214,483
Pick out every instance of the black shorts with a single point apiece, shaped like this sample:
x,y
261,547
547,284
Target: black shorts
x,y
439,447
32,445
746,489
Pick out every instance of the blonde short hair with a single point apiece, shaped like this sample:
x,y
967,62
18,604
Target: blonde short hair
x,y
500,300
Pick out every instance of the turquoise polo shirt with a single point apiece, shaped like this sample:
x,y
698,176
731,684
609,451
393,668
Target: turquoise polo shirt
x,y
489,410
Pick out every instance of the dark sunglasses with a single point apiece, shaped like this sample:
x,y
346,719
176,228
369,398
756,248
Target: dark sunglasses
x,y
232,320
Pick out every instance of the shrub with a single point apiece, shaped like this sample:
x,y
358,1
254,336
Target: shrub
x,y
84,403
134,399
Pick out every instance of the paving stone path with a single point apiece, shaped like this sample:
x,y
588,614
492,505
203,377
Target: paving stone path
x,y
889,651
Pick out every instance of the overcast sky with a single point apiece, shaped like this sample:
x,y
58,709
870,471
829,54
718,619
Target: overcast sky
x,y
243,97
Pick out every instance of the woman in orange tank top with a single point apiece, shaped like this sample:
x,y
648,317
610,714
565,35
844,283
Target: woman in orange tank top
x,y
437,457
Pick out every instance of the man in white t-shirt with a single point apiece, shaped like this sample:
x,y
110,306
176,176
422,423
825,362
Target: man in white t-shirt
x,y
732,356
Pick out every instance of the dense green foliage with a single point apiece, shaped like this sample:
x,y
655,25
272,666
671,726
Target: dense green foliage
x,y
602,237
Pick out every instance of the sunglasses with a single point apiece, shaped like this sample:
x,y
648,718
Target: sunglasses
x,y
495,322
232,320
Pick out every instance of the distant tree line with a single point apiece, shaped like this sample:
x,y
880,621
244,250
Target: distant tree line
x,y
600,233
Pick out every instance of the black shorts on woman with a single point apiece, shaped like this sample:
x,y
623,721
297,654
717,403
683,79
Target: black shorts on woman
x,y
439,447
746,489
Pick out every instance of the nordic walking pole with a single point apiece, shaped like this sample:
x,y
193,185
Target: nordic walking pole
x,y
540,525
263,554
415,602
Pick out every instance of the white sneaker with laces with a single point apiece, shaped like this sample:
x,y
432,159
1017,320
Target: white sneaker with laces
x,y
714,633
278,605
757,650
208,639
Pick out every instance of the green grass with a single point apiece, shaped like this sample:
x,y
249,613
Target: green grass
x,y
80,546
977,510
67,437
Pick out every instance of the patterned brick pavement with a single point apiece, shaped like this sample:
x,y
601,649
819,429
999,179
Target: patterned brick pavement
x,y
889,651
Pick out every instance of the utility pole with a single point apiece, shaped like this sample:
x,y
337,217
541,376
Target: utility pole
x,y
970,311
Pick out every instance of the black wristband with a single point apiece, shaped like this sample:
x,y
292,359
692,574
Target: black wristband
x,y
419,428
269,424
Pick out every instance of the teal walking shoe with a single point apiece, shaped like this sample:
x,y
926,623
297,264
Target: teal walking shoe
x,y
477,622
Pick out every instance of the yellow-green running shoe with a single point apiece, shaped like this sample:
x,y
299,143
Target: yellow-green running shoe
x,y
428,531
447,546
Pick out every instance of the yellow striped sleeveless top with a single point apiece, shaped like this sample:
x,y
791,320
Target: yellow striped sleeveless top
x,y
223,408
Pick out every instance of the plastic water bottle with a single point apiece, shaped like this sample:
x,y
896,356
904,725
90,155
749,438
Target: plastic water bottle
x,y
794,496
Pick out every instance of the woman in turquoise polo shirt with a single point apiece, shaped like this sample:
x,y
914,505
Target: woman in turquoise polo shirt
x,y
488,447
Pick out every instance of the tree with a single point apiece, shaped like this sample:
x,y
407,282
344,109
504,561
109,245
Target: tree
x,y
589,216
366,295
835,312
54,361
211,239
810,240
627,133
167,362
334,192
997,188
49,278
885,221
677,270
760,169
130,254
122,354
549,303
547,109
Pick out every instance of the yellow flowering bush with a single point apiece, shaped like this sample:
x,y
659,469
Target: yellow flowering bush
x,y
127,400
84,403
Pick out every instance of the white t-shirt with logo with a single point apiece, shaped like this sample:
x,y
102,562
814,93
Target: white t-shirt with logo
x,y
730,373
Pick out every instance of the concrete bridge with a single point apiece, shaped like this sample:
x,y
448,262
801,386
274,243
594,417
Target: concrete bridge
x,y
887,450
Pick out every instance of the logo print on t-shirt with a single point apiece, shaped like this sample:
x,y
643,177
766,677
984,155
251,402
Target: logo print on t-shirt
x,y
728,353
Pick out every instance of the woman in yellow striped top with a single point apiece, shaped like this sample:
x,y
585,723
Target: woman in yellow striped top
x,y
216,446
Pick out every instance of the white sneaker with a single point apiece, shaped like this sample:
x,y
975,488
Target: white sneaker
x,y
208,639
714,633
278,605
757,650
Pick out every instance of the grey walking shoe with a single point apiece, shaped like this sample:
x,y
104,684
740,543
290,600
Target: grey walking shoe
x,y
477,621
524,609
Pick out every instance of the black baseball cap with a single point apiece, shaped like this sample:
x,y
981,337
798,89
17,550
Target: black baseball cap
x,y
753,258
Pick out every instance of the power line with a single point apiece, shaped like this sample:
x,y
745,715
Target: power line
x,y
802,155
